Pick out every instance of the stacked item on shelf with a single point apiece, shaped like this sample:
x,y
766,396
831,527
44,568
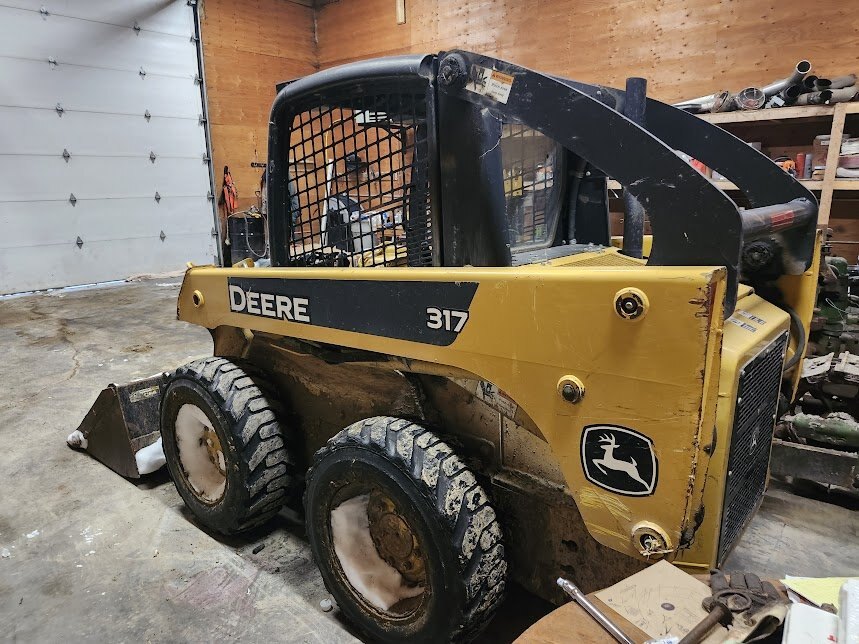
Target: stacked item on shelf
x,y
819,152
799,88
848,161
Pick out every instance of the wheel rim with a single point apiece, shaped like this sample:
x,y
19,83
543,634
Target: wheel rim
x,y
379,553
200,454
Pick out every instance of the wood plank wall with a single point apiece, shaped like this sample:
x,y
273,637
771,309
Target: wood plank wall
x,y
248,47
684,48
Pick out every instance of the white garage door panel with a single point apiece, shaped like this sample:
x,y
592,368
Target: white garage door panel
x,y
156,15
55,266
36,84
25,34
43,132
33,224
104,99
99,177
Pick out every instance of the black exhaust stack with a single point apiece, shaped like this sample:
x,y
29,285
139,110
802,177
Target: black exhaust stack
x,y
633,220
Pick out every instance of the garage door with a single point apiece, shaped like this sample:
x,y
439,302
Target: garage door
x,y
103,158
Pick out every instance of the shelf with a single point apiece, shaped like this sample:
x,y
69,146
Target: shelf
x,y
772,114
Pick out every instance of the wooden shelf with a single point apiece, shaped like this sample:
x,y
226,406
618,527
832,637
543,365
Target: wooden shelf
x,y
773,114
831,117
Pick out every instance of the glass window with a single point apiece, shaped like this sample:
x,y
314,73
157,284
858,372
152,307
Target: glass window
x,y
531,162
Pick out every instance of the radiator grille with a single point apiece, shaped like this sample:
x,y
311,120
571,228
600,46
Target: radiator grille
x,y
748,460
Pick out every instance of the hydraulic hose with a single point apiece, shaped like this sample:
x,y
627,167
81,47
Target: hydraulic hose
x,y
799,329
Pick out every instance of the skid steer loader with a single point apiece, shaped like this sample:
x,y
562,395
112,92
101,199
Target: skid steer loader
x,y
456,366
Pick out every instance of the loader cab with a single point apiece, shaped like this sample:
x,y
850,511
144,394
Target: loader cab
x,y
458,159
384,172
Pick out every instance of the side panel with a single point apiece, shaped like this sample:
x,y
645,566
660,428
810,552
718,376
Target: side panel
x,y
525,330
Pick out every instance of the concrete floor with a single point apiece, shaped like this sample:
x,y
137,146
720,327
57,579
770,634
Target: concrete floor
x,y
88,555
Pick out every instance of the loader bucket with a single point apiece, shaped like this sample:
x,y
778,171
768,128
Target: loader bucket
x,y
123,420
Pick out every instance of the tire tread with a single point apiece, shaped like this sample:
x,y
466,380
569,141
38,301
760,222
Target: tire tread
x,y
252,412
459,500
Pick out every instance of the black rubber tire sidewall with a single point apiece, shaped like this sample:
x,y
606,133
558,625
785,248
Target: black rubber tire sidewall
x,y
221,515
440,614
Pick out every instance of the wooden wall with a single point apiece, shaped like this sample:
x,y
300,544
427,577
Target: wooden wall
x,y
684,48
248,47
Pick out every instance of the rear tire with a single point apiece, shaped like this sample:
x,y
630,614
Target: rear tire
x,y
225,445
427,528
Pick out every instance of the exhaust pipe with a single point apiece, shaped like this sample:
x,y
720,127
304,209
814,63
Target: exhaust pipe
x,y
751,98
710,103
844,94
633,221
815,98
799,72
840,82
821,84
787,96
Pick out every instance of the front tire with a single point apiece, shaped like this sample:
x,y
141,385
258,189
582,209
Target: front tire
x,y
404,536
225,445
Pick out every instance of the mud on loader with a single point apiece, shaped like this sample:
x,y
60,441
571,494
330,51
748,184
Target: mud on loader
x,y
454,366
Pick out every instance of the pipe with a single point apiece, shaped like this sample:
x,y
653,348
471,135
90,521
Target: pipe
x,y
767,220
796,76
751,98
790,93
633,221
787,96
799,331
844,95
808,83
821,84
709,103
815,98
839,82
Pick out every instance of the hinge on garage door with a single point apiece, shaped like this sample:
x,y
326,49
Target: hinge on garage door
x,y
44,11
147,115
59,109
192,3
142,73
79,242
72,199
152,156
136,28
210,197
197,79
157,197
52,62
162,236
206,158
66,155
201,120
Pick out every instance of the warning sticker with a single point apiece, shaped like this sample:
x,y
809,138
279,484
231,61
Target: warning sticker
x,y
490,82
749,316
742,325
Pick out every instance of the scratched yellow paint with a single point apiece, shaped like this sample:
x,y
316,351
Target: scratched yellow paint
x,y
661,374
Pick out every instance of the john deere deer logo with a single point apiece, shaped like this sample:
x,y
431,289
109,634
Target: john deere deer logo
x,y
619,459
